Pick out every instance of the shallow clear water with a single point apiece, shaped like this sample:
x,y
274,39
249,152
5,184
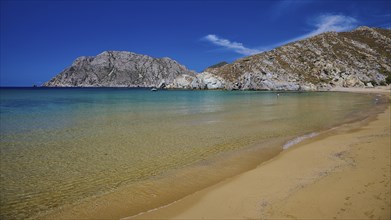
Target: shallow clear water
x,y
59,146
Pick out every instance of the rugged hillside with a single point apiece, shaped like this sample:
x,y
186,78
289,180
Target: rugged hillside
x,y
217,65
119,69
358,58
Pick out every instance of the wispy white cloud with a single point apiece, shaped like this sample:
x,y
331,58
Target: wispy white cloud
x,y
326,23
320,24
330,22
231,45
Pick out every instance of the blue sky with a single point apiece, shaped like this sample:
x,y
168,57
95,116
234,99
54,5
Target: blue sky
x,y
41,38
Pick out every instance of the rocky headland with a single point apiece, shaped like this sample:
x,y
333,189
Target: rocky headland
x,y
359,58
119,69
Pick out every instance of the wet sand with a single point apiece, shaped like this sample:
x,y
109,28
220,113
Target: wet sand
x,y
379,89
344,174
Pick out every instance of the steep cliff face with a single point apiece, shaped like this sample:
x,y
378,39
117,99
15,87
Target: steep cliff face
x,y
119,69
358,58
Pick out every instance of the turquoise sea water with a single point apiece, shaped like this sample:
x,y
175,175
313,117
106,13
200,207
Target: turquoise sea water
x,y
60,146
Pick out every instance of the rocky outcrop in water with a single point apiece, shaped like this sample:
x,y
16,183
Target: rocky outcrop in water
x,y
119,69
358,58
203,80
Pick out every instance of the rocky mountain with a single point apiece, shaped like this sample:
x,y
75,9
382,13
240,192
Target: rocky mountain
x,y
358,58
119,69
223,63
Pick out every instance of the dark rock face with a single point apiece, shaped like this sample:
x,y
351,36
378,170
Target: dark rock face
x,y
358,58
119,69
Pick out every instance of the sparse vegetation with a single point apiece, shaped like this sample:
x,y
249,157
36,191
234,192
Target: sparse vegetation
x,y
329,58
324,80
217,65
388,78
387,74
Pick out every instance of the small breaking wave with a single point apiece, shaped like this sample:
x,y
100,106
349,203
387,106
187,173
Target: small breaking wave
x,y
298,140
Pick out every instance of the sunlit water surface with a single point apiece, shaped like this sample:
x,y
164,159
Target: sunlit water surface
x,y
59,146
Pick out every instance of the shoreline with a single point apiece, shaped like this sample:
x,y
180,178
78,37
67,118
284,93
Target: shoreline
x,y
379,89
334,178
88,206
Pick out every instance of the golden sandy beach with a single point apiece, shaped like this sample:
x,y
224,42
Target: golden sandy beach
x,y
344,174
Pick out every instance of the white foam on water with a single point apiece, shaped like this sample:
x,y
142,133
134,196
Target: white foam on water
x,y
298,140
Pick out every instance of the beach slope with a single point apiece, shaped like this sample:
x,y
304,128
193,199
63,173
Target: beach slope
x,y
344,174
